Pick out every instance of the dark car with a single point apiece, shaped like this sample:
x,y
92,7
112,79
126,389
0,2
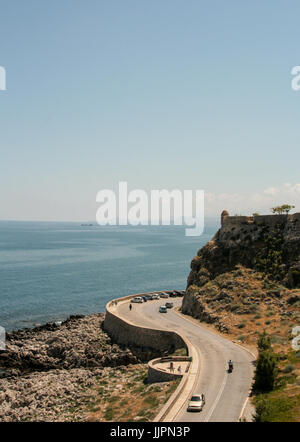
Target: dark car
x,y
144,298
173,294
180,293
148,297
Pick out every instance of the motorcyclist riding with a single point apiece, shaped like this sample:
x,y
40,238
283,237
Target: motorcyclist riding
x,y
230,365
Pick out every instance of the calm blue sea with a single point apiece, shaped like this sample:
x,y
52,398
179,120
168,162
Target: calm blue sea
x,y
51,270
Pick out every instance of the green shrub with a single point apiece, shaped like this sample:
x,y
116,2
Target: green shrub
x,y
288,369
180,352
253,308
269,260
151,400
109,414
273,409
264,341
112,399
266,372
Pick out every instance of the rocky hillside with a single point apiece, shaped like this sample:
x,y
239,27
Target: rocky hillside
x,y
241,302
270,244
250,268
246,280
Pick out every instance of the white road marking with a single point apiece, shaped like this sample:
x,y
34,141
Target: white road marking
x,y
243,409
217,399
170,325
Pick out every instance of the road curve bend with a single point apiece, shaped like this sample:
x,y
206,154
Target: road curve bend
x,y
225,393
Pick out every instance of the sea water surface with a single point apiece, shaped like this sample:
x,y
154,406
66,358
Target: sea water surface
x,y
49,271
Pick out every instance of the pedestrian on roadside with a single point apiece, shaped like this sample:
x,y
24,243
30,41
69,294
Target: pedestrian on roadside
x,y
130,307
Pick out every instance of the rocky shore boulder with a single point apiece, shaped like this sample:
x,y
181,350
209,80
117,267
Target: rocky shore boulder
x,y
78,342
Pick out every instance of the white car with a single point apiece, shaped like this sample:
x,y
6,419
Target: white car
x,y
155,296
196,402
163,309
137,299
164,295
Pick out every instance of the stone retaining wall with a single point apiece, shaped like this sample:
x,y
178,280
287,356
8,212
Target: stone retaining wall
x,y
156,374
131,335
144,342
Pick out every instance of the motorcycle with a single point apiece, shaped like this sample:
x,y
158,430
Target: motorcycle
x,y
230,367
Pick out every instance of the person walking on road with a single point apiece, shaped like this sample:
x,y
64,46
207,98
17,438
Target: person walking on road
x,y
130,307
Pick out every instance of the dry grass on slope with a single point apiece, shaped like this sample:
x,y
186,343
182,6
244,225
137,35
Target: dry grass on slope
x,y
244,303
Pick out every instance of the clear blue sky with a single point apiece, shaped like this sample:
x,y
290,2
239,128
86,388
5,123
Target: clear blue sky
x,y
161,93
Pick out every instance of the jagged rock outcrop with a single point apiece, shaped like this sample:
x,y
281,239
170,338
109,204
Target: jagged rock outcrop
x,y
253,242
249,260
78,342
46,396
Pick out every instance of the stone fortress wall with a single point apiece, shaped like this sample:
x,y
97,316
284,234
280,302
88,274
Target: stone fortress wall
x,y
241,239
228,221
230,225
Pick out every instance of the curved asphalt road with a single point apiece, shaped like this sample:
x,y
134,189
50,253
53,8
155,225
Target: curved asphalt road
x,y
225,393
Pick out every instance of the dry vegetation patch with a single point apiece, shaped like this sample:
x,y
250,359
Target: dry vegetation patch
x,y
124,395
243,303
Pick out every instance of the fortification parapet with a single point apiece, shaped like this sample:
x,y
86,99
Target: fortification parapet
x,y
228,221
235,221
271,220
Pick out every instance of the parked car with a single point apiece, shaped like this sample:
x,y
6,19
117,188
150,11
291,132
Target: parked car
x,y
155,296
137,299
173,294
164,295
163,309
180,293
196,402
148,297
144,298
169,304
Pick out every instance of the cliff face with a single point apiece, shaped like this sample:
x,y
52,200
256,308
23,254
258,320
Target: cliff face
x,y
245,281
270,244
250,264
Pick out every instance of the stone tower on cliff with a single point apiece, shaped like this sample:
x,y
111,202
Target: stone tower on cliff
x,y
224,214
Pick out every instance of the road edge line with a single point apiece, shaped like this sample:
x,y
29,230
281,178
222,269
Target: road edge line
x,y
239,345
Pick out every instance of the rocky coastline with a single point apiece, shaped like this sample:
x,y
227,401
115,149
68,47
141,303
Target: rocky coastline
x,y
45,368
